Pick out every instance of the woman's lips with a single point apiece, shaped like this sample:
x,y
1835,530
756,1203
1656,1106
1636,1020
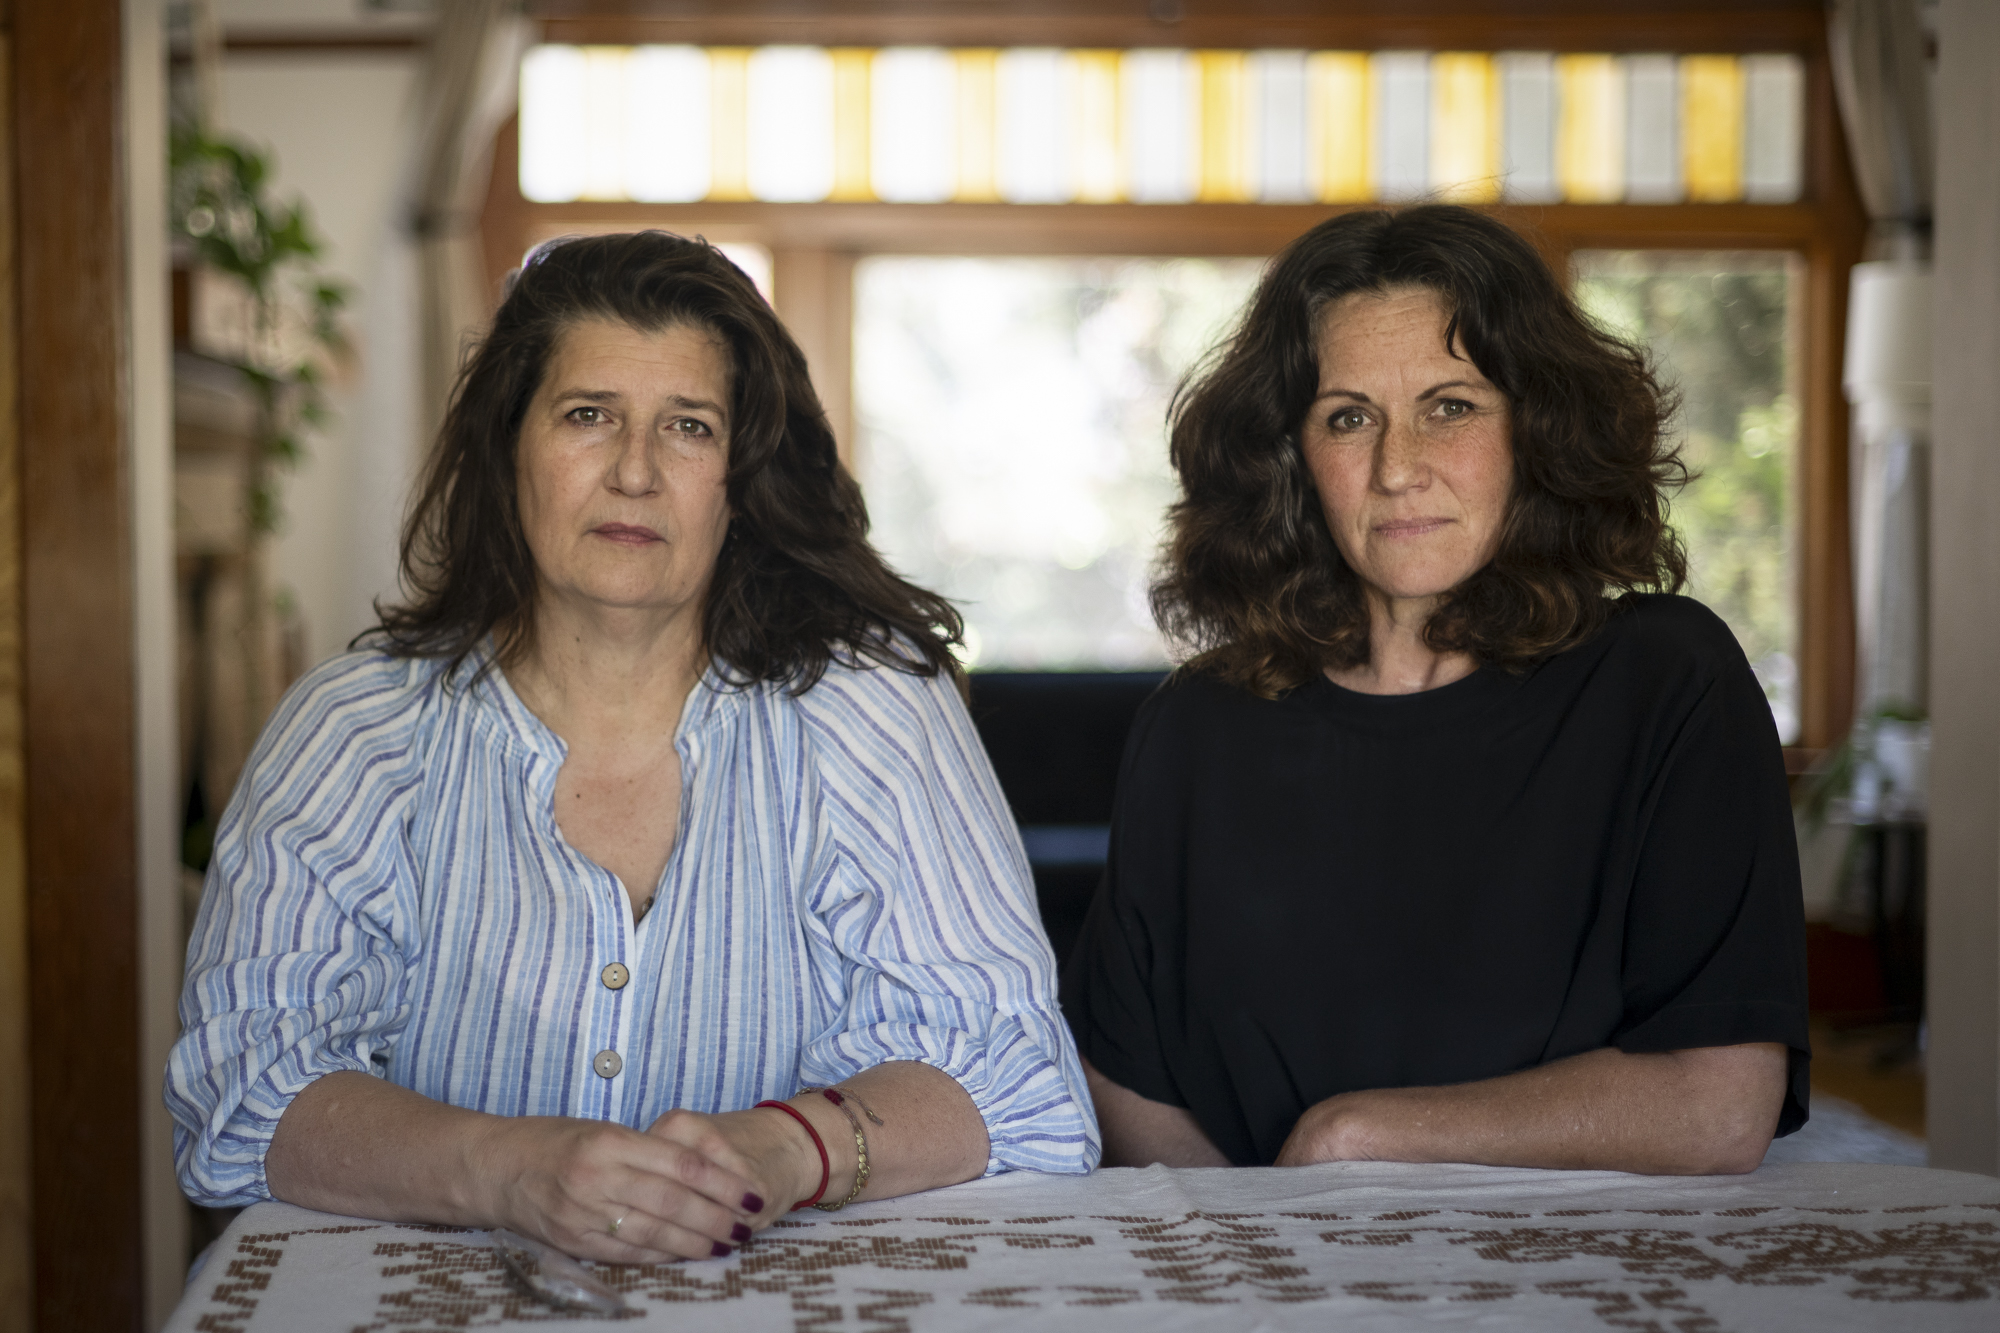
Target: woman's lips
x,y
626,532
1410,527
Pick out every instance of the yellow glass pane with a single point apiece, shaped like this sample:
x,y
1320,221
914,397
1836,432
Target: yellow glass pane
x,y
978,71
1224,127
1590,129
1340,138
1465,127
729,122
850,123
1712,128
1097,161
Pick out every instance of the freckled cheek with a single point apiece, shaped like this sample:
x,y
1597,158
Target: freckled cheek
x,y
549,480
697,463
1482,475
1343,496
709,512
531,499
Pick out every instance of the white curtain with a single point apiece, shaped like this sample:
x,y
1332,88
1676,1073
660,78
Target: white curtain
x,y
1881,74
1882,78
471,86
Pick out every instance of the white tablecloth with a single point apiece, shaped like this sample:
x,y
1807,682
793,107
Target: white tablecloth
x,y
1355,1246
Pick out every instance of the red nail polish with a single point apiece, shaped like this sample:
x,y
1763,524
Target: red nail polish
x,y
739,1233
720,1251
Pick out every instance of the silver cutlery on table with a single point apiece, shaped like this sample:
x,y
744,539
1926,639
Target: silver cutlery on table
x,y
553,1276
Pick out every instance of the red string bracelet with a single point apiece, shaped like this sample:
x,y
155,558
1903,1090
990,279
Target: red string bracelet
x,y
825,1166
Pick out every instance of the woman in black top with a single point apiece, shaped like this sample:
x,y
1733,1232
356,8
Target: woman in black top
x,y
1459,838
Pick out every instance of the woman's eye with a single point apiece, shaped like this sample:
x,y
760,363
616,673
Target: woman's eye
x,y
586,416
1351,419
690,426
1453,408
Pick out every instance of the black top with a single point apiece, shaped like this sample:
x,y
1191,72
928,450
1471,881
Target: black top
x,y
1337,891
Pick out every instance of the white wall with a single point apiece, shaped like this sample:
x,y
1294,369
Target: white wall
x,y
1963,1062
337,125
157,762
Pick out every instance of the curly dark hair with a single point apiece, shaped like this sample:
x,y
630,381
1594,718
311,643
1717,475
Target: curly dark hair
x,y
1251,581
796,586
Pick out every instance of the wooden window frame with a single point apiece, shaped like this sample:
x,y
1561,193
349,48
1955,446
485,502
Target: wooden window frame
x,y
814,247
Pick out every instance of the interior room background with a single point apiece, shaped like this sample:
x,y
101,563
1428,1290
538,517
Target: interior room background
x,y
1002,233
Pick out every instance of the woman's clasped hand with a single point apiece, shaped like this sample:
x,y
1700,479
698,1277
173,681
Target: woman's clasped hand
x,y
683,1188
692,1185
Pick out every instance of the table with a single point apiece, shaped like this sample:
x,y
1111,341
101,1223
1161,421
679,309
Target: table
x,y
1361,1246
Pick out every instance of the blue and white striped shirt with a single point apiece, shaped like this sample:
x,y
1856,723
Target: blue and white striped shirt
x,y
390,893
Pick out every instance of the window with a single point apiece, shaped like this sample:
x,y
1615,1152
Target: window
x,y
1012,440
982,143
1721,327
1039,125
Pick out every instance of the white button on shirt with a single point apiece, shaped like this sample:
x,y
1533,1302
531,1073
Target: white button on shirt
x,y
390,894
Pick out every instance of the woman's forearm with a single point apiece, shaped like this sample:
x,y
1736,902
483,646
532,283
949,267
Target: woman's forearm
x,y
1139,1131
1707,1111
350,1143
930,1133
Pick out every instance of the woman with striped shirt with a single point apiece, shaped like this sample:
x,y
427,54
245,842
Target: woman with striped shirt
x,y
653,803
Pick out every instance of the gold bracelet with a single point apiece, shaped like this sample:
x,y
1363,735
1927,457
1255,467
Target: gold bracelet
x,y
860,1147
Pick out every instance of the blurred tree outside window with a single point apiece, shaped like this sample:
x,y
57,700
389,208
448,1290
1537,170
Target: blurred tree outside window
x,y
1720,327
1011,423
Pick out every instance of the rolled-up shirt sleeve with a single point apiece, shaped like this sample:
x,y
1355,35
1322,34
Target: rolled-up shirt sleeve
x,y
926,939
295,969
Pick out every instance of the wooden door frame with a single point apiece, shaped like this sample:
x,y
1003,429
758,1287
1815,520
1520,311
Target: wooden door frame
x,y
77,668
17,1251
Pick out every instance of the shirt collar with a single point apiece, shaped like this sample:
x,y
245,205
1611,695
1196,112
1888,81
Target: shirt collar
x,y
709,705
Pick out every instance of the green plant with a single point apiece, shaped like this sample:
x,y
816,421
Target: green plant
x,y
222,207
1832,778
1827,781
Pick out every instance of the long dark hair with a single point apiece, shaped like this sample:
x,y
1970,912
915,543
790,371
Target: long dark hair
x,y
796,586
1252,582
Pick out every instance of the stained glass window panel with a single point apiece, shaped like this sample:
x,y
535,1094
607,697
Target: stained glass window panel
x,y
1157,125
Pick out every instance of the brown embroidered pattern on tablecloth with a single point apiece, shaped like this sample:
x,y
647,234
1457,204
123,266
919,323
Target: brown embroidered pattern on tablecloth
x,y
465,1286
248,1276
1653,1306
1424,1291
1201,1258
1934,1261
1659,1273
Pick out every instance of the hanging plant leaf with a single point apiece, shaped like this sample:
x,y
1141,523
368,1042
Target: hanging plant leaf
x,y
220,206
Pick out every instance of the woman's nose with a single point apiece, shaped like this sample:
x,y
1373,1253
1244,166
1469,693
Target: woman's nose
x,y
634,470
1399,458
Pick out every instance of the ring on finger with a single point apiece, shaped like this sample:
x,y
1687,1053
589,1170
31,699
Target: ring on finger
x,y
617,1222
